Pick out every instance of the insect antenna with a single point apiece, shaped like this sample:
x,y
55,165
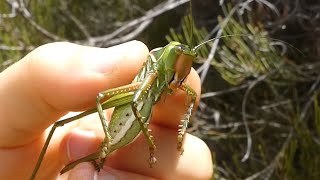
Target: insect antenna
x,y
210,40
191,24
246,35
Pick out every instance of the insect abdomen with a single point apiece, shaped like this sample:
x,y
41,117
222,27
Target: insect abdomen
x,y
124,127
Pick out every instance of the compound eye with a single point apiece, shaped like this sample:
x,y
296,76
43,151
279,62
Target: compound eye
x,y
178,49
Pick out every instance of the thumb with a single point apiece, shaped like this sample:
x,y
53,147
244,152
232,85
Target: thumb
x,y
60,77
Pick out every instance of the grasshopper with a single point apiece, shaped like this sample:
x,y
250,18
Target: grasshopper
x,y
163,72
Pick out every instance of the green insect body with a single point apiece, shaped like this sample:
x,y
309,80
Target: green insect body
x,y
164,72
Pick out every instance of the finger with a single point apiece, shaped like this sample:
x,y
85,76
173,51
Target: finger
x,y
172,108
56,78
195,163
85,171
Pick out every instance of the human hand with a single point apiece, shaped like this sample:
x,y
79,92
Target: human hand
x,y
60,77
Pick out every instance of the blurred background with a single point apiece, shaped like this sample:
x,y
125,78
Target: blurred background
x,y
260,101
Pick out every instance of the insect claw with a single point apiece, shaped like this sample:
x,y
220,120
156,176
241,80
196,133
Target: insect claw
x,y
96,166
152,160
181,150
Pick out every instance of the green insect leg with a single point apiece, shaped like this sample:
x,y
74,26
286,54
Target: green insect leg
x,y
184,122
146,84
92,157
102,96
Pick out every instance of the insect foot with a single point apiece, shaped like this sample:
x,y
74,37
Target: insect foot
x,y
96,166
152,158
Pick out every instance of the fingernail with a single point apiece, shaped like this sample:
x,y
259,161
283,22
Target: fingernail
x,y
80,143
105,60
103,175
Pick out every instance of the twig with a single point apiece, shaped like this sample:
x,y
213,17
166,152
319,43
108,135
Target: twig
x,y
218,93
244,117
205,66
74,19
14,5
245,5
15,48
315,86
267,172
142,21
129,36
27,15
257,122
276,104
224,172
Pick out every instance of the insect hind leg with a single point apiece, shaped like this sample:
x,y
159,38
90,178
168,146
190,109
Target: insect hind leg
x,y
91,157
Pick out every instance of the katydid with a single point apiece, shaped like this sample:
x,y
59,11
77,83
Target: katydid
x,y
163,72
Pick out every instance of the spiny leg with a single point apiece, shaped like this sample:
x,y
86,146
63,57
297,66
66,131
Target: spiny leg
x,y
114,101
46,144
184,122
108,93
101,96
145,86
102,154
126,98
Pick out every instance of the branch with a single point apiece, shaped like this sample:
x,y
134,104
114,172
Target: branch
x,y
142,22
218,93
27,15
74,19
205,66
15,48
244,116
14,5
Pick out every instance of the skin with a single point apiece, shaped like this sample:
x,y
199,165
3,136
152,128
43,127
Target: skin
x,y
58,78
